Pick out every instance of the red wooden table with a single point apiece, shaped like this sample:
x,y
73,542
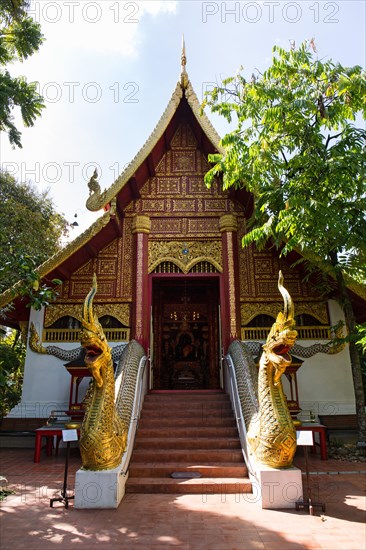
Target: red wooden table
x,y
321,430
49,432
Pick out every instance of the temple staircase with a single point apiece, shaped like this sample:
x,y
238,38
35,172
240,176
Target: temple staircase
x,y
193,435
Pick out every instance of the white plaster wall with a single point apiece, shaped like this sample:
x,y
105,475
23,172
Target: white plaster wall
x,y
325,381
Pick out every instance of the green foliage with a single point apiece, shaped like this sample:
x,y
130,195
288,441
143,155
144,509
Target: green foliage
x,y
39,294
5,493
12,355
361,338
31,233
20,37
298,150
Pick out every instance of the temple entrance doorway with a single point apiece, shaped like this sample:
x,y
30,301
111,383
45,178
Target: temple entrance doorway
x,y
185,332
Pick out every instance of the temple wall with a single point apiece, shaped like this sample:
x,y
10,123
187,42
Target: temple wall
x,y
325,383
185,214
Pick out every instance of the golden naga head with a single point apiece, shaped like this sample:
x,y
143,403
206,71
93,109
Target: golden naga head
x,y
93,339
283,335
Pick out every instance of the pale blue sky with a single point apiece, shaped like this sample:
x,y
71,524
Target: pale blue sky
x,y
108,69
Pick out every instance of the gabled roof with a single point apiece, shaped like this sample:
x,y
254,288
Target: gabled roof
x,y
143,164
183,103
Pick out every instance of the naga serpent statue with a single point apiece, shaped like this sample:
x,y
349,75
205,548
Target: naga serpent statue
x,y
103,434
271,434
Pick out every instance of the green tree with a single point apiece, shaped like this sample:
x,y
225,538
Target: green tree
x,y
12,356
20,37
31,233
297,148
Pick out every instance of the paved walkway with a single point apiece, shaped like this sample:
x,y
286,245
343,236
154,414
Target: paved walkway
x,y
212,522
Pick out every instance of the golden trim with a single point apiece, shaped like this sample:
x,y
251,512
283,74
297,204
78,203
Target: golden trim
x,y
253,334
73,335
143,153
228,222
121,312
249,310
196,252
99,200
141,224
203,119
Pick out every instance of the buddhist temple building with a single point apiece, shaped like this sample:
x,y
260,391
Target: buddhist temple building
x,y
173,275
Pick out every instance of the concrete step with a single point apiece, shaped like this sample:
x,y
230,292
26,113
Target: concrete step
x,y
188,421
215,456
187,443
183,431
183,397
192,432
188,411
202,486
165,469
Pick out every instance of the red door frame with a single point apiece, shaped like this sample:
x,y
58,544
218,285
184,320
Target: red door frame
x,y
171,276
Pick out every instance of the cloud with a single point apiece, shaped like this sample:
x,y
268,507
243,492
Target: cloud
x,y
101,27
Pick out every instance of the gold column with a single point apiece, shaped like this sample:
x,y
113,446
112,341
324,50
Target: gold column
x,y
230,303
141,226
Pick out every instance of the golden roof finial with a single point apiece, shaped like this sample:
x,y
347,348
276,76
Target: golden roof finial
x,y
183,62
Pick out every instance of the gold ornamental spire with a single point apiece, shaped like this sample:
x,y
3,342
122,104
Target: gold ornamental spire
x,y
183,62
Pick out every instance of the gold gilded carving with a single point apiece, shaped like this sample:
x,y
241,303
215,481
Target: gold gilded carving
x,y
111,249
228,222
96,199
268,288
86,269
203,119
152,205
250,310
264,265
203,226
139,284
168,186
107,288
107,266
184,161
216,205
35,343
166,225
56,311
183,137
231,289
197,186
185,254
187,205
126,256
120,311
183,73
141,224
272,440
103,434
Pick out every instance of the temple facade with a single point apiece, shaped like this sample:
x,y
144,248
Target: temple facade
x,y
172,274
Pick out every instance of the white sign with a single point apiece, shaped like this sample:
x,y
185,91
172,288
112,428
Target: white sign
x,y
305,438
69,435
